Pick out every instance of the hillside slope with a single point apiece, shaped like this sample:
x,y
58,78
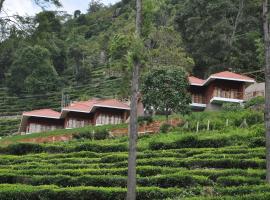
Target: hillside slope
x,y
225,163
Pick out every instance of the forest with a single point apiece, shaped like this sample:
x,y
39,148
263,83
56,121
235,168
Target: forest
x,y
55,50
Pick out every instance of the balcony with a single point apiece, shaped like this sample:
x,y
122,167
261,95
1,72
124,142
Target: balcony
x,y
230,96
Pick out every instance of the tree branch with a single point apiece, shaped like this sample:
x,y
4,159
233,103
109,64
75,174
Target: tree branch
x,y
237,19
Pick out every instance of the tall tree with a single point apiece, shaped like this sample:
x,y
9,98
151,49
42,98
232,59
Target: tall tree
x,y
133,127
32,71
170,96
1,4
267,86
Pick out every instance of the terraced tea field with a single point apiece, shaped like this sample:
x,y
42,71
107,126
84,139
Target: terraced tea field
x,y
99,86
227,164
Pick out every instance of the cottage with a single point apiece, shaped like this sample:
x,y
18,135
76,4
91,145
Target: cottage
x,y
95,112
40,120
76,115
218,88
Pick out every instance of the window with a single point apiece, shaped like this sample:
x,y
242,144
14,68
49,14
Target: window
x,y
104,119
75,123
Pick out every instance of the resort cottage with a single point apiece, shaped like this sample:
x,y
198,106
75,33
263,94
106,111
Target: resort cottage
x,y
218,88
76,115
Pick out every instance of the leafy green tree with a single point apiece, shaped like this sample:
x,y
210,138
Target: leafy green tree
x,y
166,89
220,34
118,50
48,35
166,48
77,13
32,71
95,6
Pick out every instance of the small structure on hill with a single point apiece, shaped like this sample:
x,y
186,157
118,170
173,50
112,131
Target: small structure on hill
x,y
219,88
76,115
255,90
40,121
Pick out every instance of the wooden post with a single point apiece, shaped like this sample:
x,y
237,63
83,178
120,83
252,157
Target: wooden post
x,y
208,125
198,124
93,135
227,122
144,126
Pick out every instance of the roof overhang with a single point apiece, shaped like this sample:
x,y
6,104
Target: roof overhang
x,y
106,106
65,111
212,78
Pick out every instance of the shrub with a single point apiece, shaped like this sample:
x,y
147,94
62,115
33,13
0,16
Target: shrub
x,y
85,134
145,119
257,142
165,128
23,148
98,134
97,147
238,180
22,192
231,107
101,134
255,102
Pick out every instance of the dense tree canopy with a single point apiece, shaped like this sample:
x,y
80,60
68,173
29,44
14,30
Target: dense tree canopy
x,y
221,34
32,71
199,36
164,89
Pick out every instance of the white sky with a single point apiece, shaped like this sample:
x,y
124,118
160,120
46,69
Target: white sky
x,y
27,7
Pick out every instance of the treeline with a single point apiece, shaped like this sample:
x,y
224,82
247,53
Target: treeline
x,y
53,50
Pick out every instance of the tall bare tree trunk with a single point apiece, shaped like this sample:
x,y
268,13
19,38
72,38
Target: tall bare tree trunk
x,y
133,127
267,86
1,5
237,19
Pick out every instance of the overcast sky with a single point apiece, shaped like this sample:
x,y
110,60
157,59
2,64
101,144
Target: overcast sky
x,y
23,7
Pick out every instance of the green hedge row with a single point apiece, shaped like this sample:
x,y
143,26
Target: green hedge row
x,y
218,120
164,181
27,148
22,192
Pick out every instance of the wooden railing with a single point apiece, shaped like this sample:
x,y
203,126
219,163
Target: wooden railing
x,y
198,99
228,94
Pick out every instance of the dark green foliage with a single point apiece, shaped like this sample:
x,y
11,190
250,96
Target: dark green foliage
x,y
165,128
255,102
231,107
238,180
99,134
171,95
145,120
202,21
22,148
220,120
32,71
192,142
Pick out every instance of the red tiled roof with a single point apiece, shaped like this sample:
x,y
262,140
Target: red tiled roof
x,y
231,75
221,75
48,113
195,81
81,106
87,106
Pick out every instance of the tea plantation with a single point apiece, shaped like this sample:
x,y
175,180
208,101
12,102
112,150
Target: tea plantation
x,y
225,162
99,86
